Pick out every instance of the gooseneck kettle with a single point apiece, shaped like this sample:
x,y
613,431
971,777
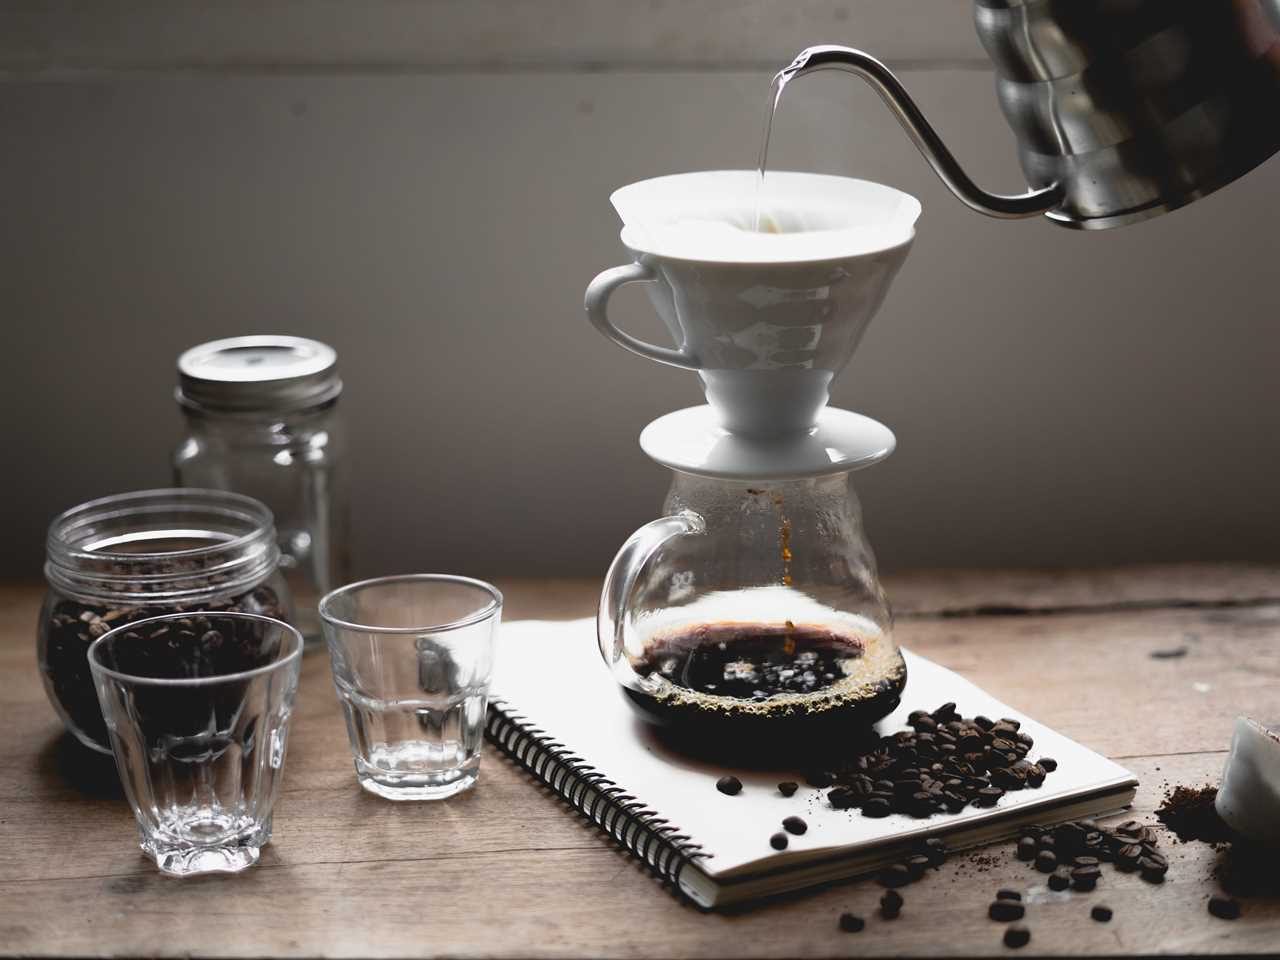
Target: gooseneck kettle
x,y
1122,109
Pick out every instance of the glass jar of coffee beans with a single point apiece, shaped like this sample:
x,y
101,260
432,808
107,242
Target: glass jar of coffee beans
x,y
136,555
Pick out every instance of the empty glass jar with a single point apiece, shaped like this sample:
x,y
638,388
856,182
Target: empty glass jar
x,y
136,555
262,420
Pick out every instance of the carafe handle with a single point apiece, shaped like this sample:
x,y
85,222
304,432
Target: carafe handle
x,y
597,304
620,581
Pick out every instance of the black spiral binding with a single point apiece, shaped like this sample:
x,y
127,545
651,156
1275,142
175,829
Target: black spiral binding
x,y
658,844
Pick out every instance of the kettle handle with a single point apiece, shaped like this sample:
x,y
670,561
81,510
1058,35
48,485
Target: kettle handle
x,y
597,303
922,133
620,581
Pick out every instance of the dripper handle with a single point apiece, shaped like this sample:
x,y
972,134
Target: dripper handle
x,y
620,581
597,303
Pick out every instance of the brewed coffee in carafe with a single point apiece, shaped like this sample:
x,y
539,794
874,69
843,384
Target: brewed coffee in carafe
x,y
798,683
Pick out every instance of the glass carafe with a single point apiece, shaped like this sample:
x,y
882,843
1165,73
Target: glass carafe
x,y
751,613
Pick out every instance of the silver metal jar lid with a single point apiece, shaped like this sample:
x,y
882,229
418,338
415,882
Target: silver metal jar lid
x,y
264,373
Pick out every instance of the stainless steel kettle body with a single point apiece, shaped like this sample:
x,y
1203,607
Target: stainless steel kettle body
x,y
1122,109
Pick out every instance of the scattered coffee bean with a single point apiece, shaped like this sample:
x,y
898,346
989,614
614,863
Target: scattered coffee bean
x,y
1017,936
876,807
1083,883
1100,913
818,778
1004,911
1224,908
842,798
851,923
1048,764
1027,848
987,797
1008,895
918,864
729,786
1153,874
1129,855
795,826
1046,861
891,904
1060,879
898,875
778,841
936,850
788,787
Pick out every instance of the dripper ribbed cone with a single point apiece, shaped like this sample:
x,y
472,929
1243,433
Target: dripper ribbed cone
x,y
767,320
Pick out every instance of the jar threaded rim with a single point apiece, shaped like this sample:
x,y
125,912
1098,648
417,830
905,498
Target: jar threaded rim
x,y
218,543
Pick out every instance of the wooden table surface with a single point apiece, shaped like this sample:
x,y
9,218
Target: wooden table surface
x,y
505,869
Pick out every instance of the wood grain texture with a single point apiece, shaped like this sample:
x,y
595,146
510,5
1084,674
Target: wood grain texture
x,y
507,870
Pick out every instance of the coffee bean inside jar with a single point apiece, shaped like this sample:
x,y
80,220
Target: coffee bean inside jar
x,y
128,557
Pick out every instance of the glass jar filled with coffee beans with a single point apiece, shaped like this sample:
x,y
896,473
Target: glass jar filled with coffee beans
x,y
262,419
136,555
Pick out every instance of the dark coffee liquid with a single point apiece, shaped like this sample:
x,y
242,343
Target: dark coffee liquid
x,y
757,686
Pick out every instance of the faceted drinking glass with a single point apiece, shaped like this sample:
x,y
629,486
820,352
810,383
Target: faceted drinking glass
x,y
197,708
412,657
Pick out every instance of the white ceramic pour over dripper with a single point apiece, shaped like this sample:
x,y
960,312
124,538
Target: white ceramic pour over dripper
x,y
766,319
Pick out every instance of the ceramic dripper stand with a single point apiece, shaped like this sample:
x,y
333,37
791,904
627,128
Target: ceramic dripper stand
x,y
751,615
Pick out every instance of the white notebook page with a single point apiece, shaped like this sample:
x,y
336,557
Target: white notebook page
x,y
551,673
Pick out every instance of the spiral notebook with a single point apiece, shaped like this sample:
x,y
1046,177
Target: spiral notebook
x,y
557,713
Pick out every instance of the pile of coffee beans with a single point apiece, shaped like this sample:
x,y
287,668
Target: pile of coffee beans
x,y
946,763
72,626
1072,853
942,765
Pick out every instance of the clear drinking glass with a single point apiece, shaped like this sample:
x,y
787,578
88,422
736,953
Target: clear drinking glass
x,y
197,708
412,656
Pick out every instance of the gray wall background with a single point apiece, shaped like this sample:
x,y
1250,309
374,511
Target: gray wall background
x,y
426,189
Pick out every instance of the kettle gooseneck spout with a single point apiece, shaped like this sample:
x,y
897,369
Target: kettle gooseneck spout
x,y
923,135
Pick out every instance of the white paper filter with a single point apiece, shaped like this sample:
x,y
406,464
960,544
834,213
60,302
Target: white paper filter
x,y
710,215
